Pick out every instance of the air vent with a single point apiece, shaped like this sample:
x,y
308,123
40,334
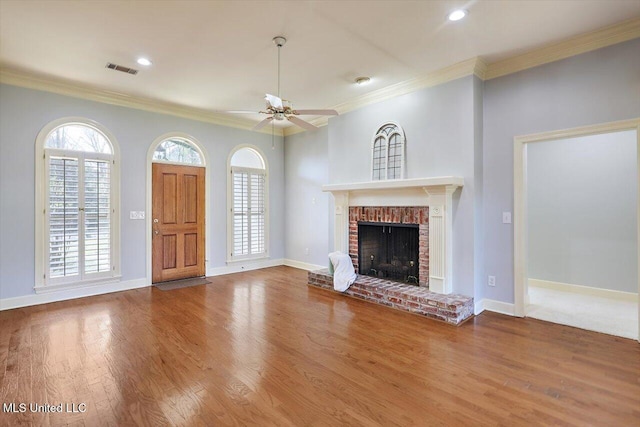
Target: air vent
x,y
122,68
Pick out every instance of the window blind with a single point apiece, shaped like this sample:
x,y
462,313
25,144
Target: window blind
x,y
63,217
249,211
97,216
79,217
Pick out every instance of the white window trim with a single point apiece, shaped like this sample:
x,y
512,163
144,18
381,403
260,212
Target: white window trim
x,y
149,195
42,283
267,225
386,138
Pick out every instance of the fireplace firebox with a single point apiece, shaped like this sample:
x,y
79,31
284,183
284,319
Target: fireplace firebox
x,y
390,251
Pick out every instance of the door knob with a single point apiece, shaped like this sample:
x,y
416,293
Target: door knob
x,y
155,220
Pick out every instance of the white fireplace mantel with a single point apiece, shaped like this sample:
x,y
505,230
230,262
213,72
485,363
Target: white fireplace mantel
x,y
434,192
438,181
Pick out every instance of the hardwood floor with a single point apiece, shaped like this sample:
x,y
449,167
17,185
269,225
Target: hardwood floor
x,y
263,348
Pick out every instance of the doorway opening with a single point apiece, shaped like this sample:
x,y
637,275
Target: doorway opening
x,y
177,191
576,227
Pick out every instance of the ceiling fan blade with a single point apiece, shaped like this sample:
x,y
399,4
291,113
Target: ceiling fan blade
x,y
240,112
274,101
316,112
301,123
263,123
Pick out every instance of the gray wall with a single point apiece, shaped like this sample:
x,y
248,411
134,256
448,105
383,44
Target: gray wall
x,y
443,127
24,112
306,206
595,87
440,127
478,243
581,203
464,127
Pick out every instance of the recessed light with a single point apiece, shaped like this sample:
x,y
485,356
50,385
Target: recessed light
x,y
363,80
458,14
144,61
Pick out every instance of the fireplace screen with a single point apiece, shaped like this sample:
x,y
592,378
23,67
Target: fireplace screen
x,y
389,251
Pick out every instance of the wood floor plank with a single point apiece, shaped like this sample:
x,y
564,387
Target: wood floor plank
x,y
263,348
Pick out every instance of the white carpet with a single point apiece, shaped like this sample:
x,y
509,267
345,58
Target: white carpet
x,y
609,316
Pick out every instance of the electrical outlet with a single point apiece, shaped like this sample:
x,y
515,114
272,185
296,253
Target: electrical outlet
x,y
506,217
492,281
306,251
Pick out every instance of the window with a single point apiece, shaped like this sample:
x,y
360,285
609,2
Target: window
x,y
78,230
387,153
178,150
248,201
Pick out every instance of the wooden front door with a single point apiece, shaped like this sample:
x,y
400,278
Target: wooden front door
x,y
178,222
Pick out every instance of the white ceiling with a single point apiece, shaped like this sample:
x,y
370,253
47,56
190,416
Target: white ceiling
x,y
218,55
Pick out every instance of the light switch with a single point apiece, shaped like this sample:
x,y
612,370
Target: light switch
x,y
136,215
506,217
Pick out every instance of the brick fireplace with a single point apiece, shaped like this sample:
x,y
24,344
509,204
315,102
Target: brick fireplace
x,y
423,201
389,215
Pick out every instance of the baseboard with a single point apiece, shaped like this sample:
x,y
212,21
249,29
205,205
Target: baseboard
x,y
63,295
303,265
584,290
238,267
478,307
495,306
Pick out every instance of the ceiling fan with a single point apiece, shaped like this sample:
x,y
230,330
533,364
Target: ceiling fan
x,y
280,109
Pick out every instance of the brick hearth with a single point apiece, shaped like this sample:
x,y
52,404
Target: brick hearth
x,y
451,308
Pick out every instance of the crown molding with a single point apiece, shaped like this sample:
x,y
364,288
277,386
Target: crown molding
x,y
473,66
61,87
481,68
292,130
607,36
603,37
452,72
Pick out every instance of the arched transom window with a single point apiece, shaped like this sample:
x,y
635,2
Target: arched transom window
x,y
178,150
248,197
79,187
387,152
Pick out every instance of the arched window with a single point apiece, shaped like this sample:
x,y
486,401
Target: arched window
x,y
387,152
178,150
248,200
78,231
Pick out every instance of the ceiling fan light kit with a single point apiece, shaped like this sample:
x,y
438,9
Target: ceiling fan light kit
x,y
280,109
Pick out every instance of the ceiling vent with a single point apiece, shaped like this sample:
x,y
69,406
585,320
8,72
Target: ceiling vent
x,y
122,68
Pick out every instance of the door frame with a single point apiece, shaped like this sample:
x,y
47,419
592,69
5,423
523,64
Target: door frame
x,y
520,235
149,198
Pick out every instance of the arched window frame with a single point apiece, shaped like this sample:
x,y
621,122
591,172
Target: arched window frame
x,y
231,256
382,138
42,282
